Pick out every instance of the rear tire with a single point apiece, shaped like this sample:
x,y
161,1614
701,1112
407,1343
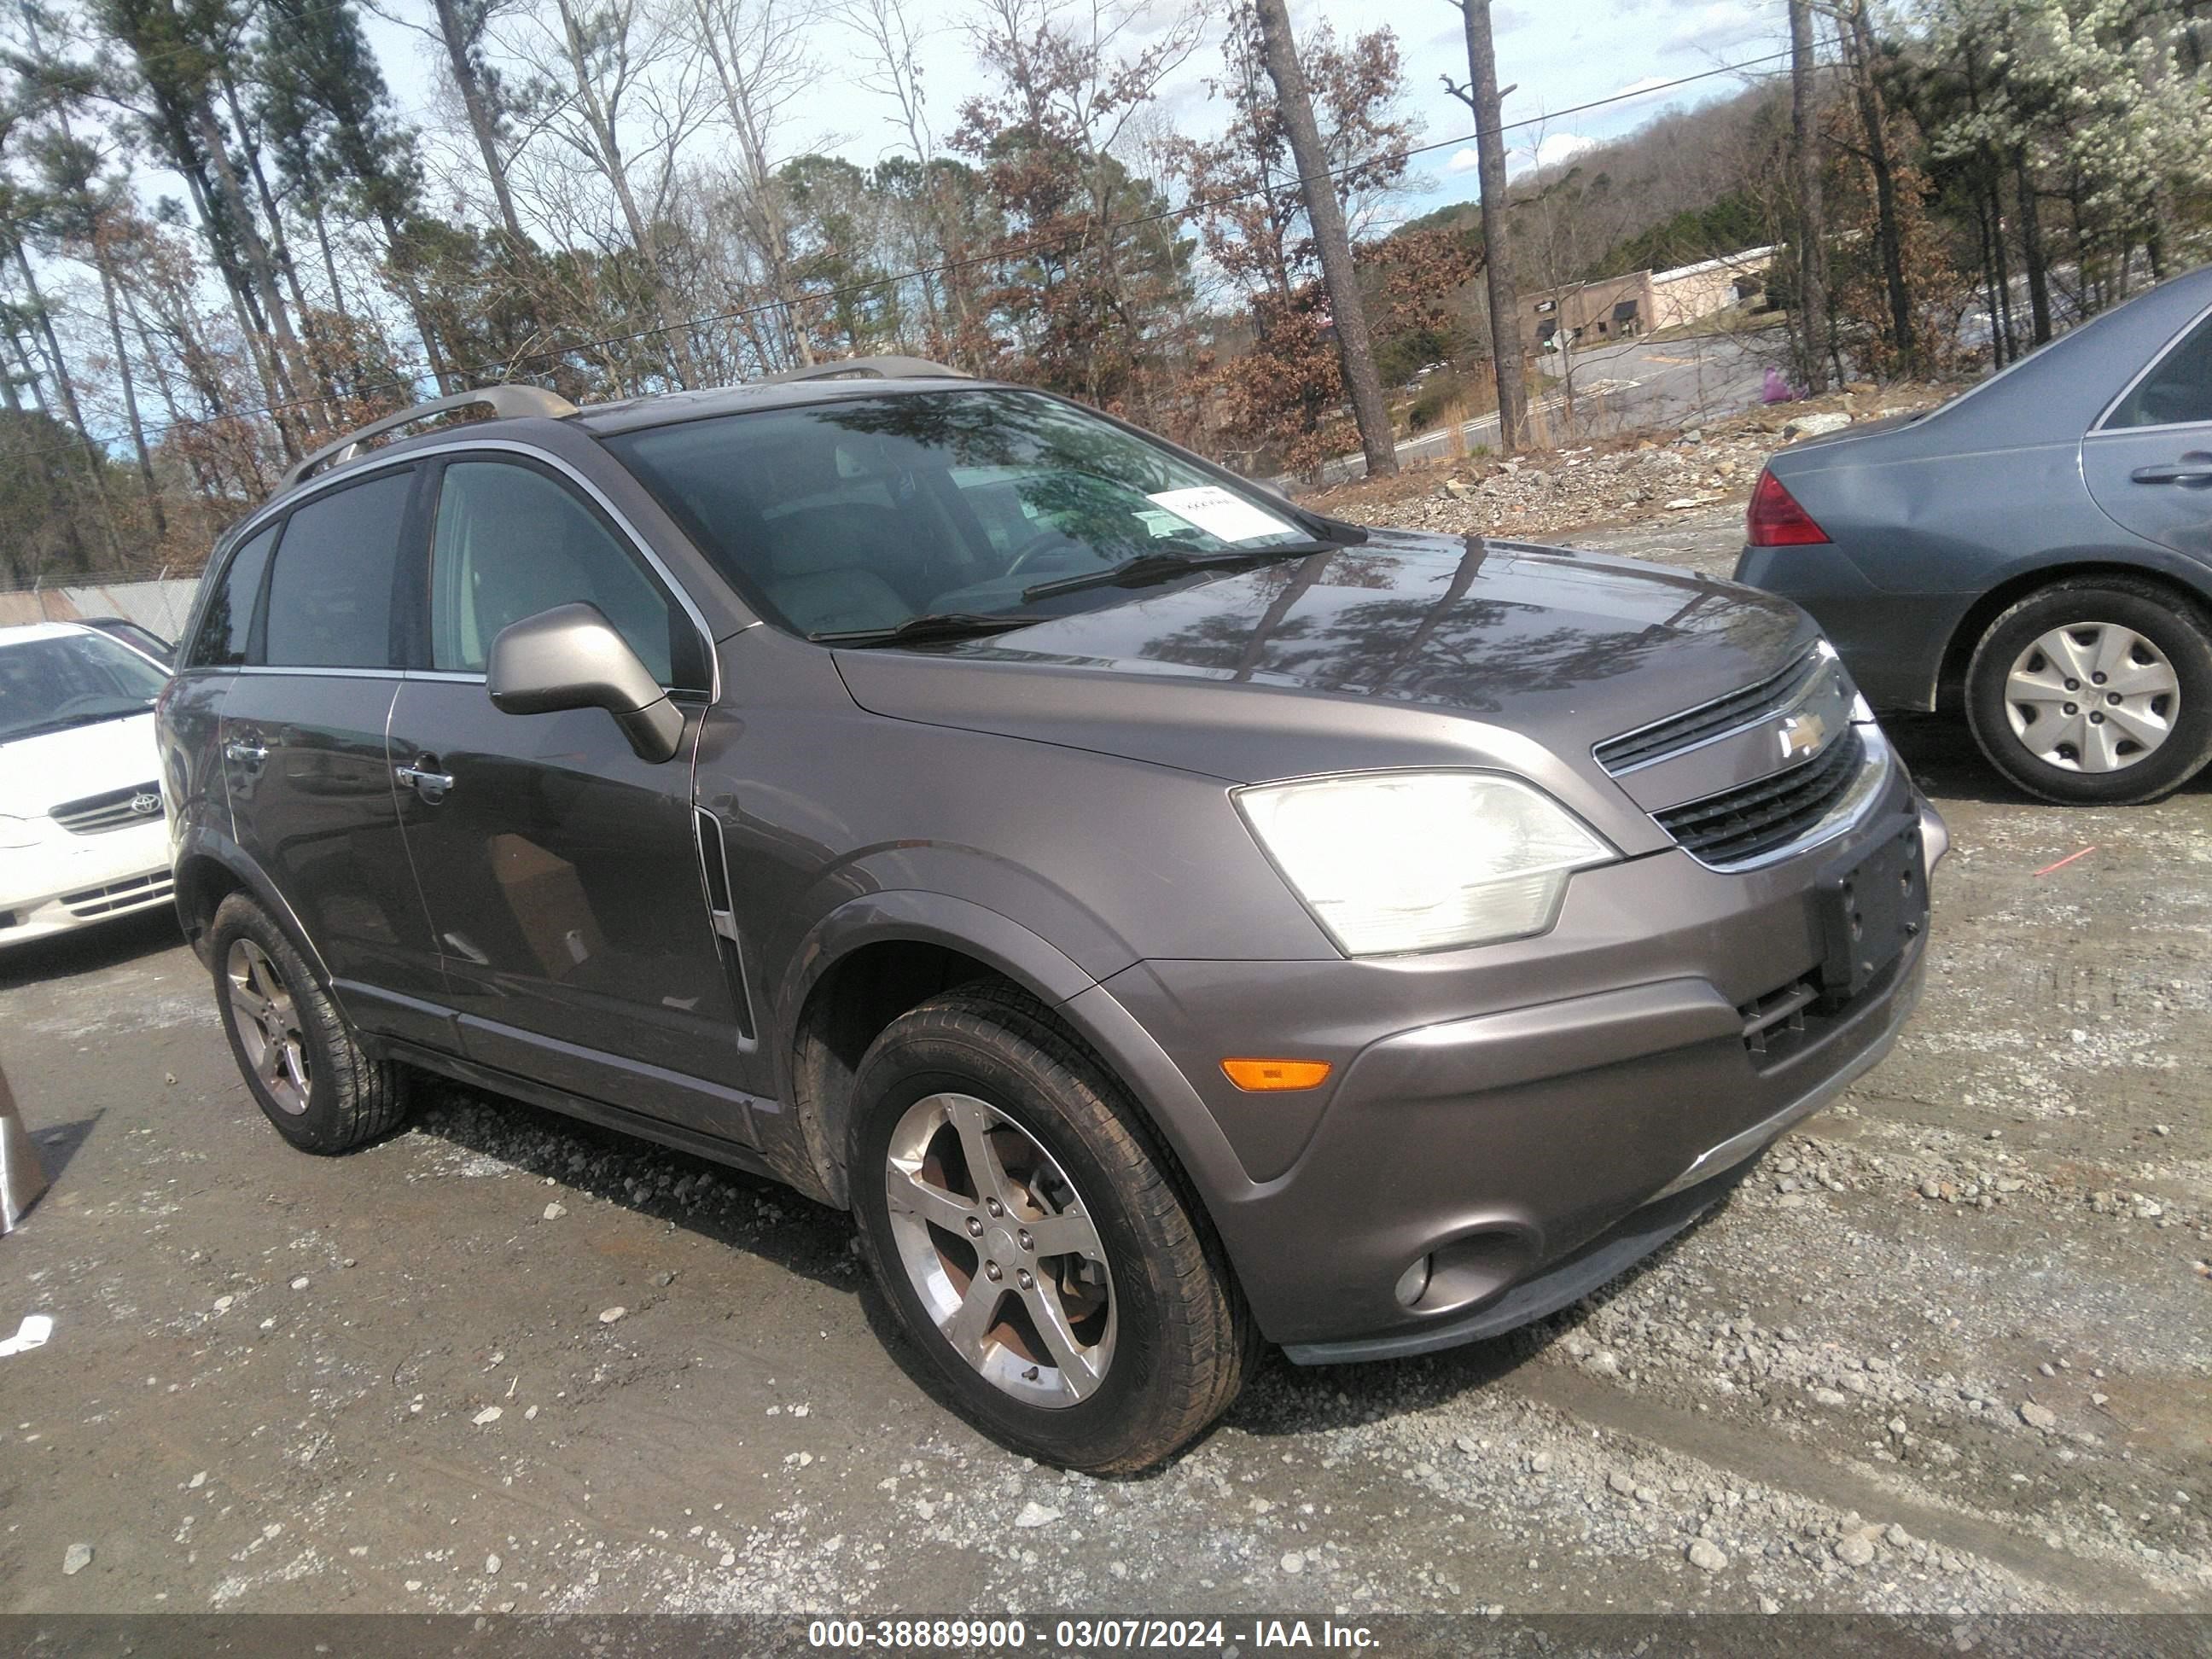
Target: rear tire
x,y
298,1053
1107,1354
2095,692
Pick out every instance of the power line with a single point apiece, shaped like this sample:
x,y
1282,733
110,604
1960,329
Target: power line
x,y
506,366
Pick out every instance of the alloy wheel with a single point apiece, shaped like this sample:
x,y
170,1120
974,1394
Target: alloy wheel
x,y
1002,1249
267,1017
2092,697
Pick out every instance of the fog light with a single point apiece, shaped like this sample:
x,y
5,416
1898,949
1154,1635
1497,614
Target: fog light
x,y
1414,1281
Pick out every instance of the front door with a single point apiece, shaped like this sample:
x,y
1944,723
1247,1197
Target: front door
x,y
302,741
2149,463
560,870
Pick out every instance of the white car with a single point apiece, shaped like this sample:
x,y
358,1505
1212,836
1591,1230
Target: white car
x,y
82,837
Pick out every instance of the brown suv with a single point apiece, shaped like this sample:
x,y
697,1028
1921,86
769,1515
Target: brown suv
x,y
1166,918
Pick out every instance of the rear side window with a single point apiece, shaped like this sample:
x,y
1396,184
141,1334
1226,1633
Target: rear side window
x,y
2178,392
229,620
330,595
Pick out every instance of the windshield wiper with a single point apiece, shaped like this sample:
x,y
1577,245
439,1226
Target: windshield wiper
x,y
1174,561
42,727
930,625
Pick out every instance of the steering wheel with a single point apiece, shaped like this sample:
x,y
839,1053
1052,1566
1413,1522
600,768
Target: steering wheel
x,y
1043,541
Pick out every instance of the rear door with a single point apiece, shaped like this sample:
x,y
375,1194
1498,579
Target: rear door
x,y
562,872
303,745
190,729
2149,462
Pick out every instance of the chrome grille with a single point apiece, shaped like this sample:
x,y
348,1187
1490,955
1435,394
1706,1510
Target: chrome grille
x,y
1742,823
1679,732
95,814
118,895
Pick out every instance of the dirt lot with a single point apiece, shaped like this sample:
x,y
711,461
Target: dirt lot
x,y
1945,1350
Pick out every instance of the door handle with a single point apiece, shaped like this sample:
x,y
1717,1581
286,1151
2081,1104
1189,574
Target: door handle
x,y
246,753
425,779
2189,470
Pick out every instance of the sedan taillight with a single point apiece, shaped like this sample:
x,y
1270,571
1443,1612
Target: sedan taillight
x,y
1775,519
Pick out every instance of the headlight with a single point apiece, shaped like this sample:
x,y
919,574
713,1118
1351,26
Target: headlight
x,y
1396,861
1861,710
18,832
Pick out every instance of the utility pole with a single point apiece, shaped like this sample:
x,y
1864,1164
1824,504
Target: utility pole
x,y
1347,309
1482,98
1805,162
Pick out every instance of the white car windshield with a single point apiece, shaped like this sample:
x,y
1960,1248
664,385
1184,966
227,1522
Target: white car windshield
x,y
58,681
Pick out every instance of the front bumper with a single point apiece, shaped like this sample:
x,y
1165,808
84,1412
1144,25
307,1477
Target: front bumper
x,y
1602,1100
66,882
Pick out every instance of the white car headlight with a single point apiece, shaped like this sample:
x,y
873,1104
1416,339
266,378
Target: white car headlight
x,y
19,832
1391,862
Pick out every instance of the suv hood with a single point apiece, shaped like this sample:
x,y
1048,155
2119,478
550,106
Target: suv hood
x,y
38,773
1409,648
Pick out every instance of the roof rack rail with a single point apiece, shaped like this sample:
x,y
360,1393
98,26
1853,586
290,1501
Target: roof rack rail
x,y
869,369
501,400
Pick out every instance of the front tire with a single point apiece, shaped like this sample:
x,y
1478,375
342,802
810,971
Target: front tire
x,y
1035,1244
2094,693
298,1053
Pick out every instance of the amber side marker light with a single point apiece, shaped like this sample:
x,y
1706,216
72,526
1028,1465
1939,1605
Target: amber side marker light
x,y
1263,1076
1775,519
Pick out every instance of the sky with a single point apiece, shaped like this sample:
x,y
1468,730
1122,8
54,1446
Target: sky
x,y
1558,54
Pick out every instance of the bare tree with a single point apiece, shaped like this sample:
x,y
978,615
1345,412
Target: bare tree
x,y
757,49
622,101
460,32
1347,310
1482,99
1812,227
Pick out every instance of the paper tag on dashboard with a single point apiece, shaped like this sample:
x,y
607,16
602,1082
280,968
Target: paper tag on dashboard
x,y
1218,513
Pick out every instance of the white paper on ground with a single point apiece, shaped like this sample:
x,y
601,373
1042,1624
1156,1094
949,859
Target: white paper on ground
x,y
1218,513
36,1329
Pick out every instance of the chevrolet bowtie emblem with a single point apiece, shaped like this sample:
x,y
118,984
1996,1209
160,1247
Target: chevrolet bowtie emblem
x,y
1802,734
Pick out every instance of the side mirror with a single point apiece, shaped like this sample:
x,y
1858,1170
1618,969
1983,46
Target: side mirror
x,y
570,657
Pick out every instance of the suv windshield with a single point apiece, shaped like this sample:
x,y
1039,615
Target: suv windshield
x,y
62,680
862,515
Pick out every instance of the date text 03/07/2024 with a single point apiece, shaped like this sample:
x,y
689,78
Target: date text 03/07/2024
x,y
1084,1636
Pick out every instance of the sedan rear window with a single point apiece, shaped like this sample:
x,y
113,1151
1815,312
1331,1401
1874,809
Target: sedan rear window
x,y
864,512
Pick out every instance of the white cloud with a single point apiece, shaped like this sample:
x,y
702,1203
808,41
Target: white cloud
x,y
1719,24
1465,160
1554,149
1648,86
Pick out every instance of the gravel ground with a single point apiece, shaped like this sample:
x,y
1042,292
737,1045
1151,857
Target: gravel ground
x,y
1622,480
1944,1352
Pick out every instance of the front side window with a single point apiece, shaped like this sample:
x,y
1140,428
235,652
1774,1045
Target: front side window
x,y
862,514
228,626
58,681
330,594
2176,393
511,543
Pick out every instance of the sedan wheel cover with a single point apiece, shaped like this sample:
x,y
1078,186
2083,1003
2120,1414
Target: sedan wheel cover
x,y
2092,697
1002,1249
267,1017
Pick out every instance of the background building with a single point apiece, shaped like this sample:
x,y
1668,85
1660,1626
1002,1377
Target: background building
x,y
1616,307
